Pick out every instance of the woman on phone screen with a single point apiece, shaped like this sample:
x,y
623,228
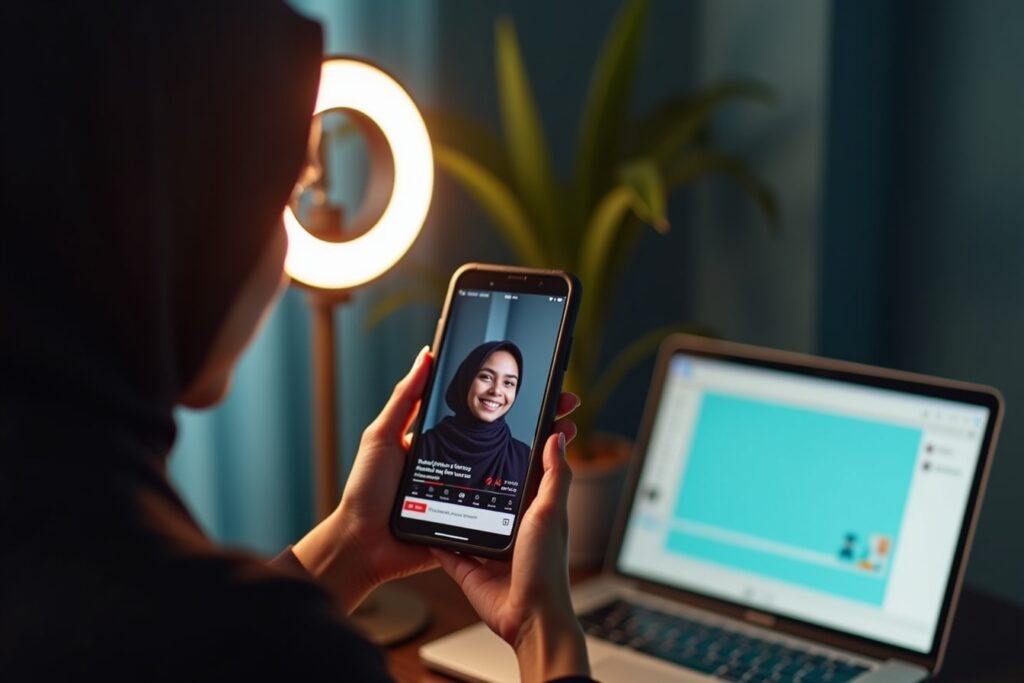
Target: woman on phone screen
x,y
480,394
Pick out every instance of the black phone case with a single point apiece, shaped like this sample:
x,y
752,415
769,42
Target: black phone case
x,y
549,406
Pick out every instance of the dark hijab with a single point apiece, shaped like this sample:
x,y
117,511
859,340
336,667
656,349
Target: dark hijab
x,y
488,447
148,149
147,152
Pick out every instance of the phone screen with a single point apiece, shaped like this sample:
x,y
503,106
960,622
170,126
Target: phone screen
x,y
483,412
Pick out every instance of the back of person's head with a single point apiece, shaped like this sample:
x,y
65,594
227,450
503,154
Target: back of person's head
x,y
147,154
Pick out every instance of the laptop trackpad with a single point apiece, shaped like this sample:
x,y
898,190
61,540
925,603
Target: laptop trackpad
x,y
476,654
615,669
610,663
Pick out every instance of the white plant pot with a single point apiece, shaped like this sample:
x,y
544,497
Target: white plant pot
x,y
594,499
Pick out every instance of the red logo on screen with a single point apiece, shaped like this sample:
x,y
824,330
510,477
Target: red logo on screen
x,y
413,506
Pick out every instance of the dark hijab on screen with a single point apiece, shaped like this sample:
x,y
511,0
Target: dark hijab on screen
x,y
148,149
488,447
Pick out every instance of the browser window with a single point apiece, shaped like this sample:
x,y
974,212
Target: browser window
x,y
834,503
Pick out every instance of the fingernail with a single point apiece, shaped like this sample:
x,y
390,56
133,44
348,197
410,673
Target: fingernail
x,y
419,356
561,442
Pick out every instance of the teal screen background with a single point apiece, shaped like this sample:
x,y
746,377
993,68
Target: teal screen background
x,y
799,477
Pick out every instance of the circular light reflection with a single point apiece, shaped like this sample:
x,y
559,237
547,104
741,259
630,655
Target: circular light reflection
x,y
352,84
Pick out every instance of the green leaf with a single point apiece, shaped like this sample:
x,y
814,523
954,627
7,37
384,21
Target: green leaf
x,y
595,251
621,257
641,191
435,278
498,201
470,138
680,121
649,203
421,284
387,305
636,351
524,134
703,162
601,230
607,107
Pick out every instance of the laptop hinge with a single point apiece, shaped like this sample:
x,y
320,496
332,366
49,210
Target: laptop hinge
x,y
759,618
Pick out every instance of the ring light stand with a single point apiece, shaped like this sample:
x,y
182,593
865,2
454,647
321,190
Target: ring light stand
x,y
331,263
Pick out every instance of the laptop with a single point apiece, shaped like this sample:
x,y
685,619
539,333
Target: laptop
x,y
786,518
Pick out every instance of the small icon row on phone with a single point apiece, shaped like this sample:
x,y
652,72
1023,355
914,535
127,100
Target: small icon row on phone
x,y
461,495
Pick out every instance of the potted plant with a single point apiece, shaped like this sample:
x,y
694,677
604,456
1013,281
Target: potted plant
x,y
623,172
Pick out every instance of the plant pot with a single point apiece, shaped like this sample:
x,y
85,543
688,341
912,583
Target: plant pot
x,y
597,482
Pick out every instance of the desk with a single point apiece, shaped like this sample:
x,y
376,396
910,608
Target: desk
x,y
987,645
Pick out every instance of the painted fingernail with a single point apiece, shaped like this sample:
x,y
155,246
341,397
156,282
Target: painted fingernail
x,y
561,442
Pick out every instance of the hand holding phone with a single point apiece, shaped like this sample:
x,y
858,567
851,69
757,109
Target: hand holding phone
x,y
527,601
351,551
501,350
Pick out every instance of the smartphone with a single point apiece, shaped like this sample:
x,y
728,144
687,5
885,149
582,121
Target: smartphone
x,y
500,353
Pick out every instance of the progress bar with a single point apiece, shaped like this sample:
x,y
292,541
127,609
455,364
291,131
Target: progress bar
x,y
489,492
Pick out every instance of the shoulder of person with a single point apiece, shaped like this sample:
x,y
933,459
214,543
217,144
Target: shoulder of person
x,y
139,593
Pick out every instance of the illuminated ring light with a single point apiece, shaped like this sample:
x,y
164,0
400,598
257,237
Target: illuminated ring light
x,y
347,83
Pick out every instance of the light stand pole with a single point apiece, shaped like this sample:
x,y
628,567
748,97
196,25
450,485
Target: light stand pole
x,y
326,430
391,613
332,262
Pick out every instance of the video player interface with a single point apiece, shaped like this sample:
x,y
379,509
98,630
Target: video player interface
x,y
473,453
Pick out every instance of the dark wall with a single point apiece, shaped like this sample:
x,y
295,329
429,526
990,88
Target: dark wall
x,y
924,221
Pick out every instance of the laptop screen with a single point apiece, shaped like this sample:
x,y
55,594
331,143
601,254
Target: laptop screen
x,y
835,503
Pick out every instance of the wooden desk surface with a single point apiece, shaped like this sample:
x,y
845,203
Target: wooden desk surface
x,y
449,612
987,645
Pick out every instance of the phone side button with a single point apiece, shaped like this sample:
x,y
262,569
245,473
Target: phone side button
x,y
568,350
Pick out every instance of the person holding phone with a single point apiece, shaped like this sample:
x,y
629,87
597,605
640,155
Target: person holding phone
x,y
141,248
480,395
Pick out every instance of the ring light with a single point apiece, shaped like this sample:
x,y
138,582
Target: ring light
x,y
347,83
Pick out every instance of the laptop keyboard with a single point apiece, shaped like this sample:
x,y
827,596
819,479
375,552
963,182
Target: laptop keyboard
x,y
729,655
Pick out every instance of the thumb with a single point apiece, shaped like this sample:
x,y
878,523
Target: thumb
x,y
400,409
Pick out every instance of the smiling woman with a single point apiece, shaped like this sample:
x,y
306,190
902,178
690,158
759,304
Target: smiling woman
x,y
494,389
477,436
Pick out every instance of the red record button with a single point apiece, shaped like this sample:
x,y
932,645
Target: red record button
x,y
415,507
